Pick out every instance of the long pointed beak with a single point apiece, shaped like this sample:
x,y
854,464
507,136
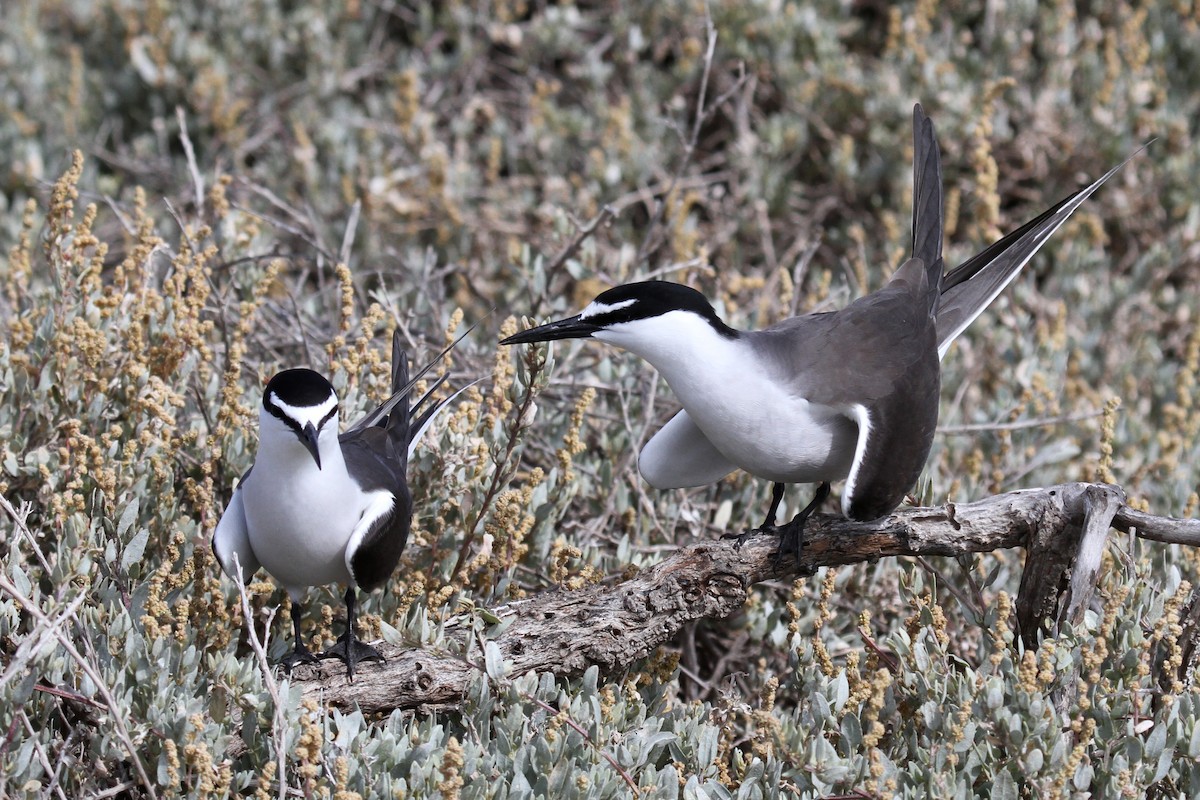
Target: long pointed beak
x,y
570,328
309,439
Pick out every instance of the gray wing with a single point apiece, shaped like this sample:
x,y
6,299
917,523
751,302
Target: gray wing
x,y
376,453
374,551
232,537
681,456
376,449
972,286
860,351
878,365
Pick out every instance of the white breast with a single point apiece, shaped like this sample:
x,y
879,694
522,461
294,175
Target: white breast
x,y
299,519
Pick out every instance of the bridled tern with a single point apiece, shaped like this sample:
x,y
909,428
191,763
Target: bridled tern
x,y
849,394
320,507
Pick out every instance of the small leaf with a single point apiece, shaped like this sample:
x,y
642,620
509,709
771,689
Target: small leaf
x,y
135,549
24,690
1156,742
1004,787
128,517
706,750
21,580
1083,777
493,661
389,633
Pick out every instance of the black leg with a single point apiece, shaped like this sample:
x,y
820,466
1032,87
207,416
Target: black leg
x,y
768,525
349,650
791,536
776,499
301,654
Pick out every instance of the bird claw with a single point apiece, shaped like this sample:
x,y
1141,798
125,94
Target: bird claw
x,y
350,651
740,539
301,655
791,541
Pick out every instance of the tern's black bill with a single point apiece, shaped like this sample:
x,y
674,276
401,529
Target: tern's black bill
x,y
308,438
570,328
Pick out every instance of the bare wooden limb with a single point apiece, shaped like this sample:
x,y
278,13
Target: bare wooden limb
x,y
611,626
1063,577
1158,529
1048,557
614,625
1100,506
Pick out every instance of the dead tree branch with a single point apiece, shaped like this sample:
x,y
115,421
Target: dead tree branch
x,y
1063,528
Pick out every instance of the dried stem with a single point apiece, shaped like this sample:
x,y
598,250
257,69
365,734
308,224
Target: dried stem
x,y
278,720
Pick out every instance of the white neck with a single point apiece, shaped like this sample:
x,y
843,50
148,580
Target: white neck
x,y
280,450
684,348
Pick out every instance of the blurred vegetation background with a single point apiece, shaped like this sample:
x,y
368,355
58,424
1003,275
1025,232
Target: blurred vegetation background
x,y
193,196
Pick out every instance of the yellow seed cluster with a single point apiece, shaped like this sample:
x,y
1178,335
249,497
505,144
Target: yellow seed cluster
x,y
918,31
560,553
824,614
926,604
407,99
504,373
857,256
172,754
987,195
793,610
451,769
953,207
1083,732
573,443
1001,634
338,361
766,727
685,241
341,778
265,780
1094,654
1165,638
956,730
307,750
1108,432
210,779
512,521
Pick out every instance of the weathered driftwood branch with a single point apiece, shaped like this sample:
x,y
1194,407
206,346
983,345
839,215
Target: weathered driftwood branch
x,y
612,625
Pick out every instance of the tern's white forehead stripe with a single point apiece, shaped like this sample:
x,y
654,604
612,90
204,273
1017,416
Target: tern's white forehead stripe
x,y
594,308
305,414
